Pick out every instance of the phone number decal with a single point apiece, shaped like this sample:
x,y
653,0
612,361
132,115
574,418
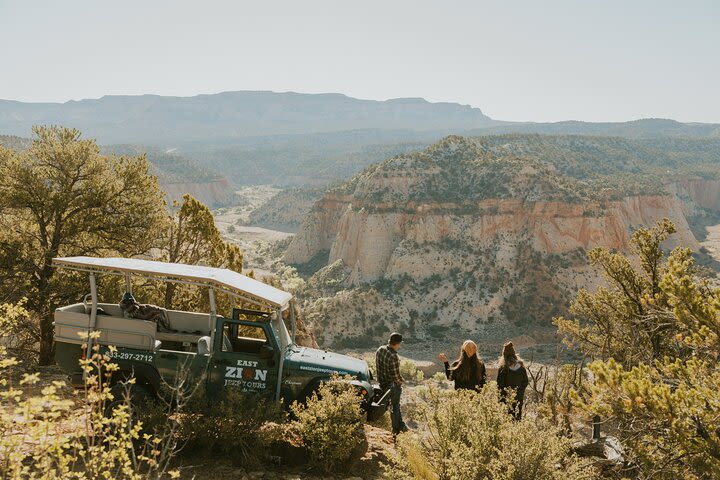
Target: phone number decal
x,y
138,357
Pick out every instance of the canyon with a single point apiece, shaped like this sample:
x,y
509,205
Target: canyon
x,y
467,239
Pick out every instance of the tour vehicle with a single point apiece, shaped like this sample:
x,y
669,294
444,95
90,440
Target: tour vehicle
x,y
251,352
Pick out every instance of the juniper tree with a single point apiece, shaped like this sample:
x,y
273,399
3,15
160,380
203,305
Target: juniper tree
x,y
626,319
61,197
193,238
656,328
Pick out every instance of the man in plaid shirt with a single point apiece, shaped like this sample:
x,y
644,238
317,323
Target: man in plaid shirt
x,y
388,370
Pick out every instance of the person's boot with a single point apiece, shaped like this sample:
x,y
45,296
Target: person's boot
x,y
403,428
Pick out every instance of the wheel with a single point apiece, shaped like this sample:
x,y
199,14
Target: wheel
x,y
312,388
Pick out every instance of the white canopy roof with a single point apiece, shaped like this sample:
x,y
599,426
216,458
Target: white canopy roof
x,y
234,282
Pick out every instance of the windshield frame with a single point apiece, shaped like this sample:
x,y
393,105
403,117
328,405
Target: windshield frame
x,y
281,330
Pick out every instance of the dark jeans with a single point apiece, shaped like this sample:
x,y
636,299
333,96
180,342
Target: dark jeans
x,y
515,406
395,413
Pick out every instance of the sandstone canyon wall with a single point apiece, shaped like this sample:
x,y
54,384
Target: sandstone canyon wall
x,y
459,238
368,241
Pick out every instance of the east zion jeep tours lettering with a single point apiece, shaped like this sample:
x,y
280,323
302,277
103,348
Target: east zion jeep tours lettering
x,y
245,374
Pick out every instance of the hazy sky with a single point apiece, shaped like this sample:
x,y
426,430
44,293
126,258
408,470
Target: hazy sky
x,y
537,60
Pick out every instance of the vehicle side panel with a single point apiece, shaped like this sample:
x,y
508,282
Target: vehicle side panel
x,y
186,367
67,356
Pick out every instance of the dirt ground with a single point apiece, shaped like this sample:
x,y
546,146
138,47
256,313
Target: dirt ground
x,y
380,442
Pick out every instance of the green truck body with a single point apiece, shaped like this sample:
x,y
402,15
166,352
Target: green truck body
x,y
252,352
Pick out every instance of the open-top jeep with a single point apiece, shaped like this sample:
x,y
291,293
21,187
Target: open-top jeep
x,y
252,351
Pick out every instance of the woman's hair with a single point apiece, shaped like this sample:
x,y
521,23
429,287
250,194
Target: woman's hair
x,y
509,356
468,366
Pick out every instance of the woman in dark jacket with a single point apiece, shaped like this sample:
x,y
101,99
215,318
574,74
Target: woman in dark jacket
x,y
468,371
512,377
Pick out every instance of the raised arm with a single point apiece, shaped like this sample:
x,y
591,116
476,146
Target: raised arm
x,y
443,358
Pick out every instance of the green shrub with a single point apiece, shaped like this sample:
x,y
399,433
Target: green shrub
x,y
370,359
410,372
470,435
439,377
231,427
46,435
330,424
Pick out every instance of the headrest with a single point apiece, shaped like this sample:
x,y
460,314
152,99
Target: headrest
x,y
203,347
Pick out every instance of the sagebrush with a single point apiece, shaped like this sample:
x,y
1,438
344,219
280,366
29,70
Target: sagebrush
x,y
470,435
330,424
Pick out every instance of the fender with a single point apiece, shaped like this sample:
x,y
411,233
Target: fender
x,y
360,385
311,387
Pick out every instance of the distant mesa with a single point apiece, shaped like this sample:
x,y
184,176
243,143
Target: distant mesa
x,y
155,119
296,139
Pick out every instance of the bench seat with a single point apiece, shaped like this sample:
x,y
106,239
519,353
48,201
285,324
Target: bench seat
x,y
178,337
74,320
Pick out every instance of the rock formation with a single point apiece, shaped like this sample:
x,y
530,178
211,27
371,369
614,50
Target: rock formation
x,y
461,236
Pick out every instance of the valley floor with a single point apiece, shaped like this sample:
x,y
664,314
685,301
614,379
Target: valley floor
x,y
712,241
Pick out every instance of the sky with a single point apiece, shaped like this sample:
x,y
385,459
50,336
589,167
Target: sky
x,y
516,60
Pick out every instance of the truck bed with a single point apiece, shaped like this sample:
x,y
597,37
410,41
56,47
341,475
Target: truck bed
x,y
73,321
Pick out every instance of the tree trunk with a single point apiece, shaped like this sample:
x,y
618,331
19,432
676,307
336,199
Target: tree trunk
x,y
47,346
169,295
42,309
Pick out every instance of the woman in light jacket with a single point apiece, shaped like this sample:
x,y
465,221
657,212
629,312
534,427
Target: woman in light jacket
x,y
468,371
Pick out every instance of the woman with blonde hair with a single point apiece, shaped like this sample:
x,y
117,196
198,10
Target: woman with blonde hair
x,y
512,377
468,371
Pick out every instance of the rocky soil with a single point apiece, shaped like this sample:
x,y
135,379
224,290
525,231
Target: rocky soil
x,y
379,443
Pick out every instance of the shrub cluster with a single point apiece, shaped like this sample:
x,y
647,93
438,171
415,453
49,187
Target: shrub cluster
x,y
410,372
329,425
231,426
40,438
470,435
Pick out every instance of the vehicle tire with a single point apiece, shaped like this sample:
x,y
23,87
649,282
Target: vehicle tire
x,y
310,389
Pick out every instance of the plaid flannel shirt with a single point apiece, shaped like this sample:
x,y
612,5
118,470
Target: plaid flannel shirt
x,y
388,366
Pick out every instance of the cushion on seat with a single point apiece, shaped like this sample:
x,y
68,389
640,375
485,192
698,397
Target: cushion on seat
x,y
203,346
